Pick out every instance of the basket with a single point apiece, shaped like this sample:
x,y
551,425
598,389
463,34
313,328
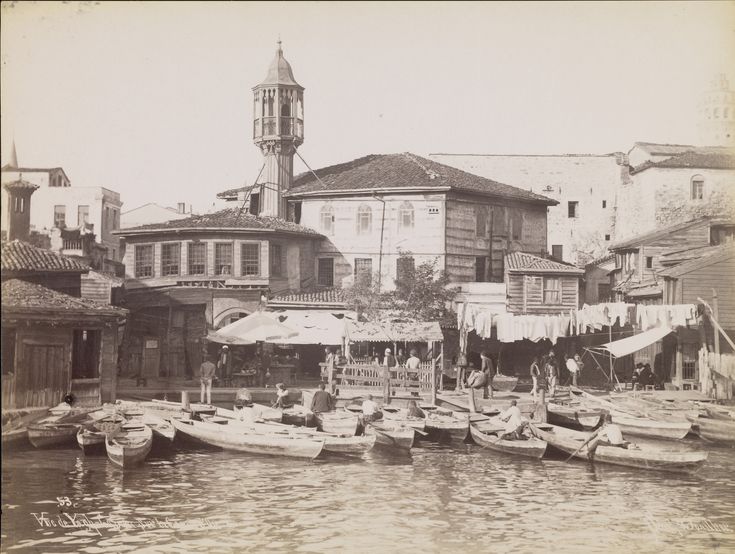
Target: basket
x,y
504,383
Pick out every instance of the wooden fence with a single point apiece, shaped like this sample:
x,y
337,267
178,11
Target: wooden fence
x,y
371,376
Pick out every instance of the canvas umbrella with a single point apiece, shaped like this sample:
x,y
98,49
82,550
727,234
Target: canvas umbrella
x,y
256,327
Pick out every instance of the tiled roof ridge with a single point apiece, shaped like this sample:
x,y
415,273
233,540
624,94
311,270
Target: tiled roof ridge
x,y
33,293
528,261
22,256
336,168
697,160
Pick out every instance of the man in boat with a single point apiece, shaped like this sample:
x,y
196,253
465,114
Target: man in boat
x,y
281,396
412,364
322,401
514,422
370,411
414,411
607,435
206,374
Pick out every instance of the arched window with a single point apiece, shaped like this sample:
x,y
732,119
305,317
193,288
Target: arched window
x,y
327,220
697,187
405,216
364,220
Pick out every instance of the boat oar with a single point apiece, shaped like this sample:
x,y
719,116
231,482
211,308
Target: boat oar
x,y
592,436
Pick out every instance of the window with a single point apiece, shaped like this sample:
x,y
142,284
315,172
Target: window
x,y
607,237
517,224
557,251
363,270
223,258
144,260
364,220
82,215
697,187
649,262
552,290
604,204
108,221
85,354
170,258
326,218
115,219
22,204
250,259
197,258
573,209
480,265
60,216
255,203
405,216
404,268
276,260
480,221
114,254
325,273
603,292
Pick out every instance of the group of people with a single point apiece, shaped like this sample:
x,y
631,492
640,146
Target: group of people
x,y
545,372
481,378
642,376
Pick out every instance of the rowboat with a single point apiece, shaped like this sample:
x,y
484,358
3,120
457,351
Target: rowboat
x,y
532,447
573,417
400,415
725,415
174,408
639,456
653,428
338,422
715,429
229,436
91,441
163,431
391,435
130,445
47,434
456,427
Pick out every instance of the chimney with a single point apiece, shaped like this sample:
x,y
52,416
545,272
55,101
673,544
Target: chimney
x,y
182,207
19,208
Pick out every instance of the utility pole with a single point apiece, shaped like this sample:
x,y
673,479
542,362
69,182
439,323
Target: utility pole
x,y
380,255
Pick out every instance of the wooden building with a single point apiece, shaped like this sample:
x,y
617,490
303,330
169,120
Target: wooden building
x,y
187,276
536,285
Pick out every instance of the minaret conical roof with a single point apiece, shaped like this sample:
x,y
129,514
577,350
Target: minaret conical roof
x,y
280,72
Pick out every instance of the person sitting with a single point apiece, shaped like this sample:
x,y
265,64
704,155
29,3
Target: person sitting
x,y
370,411
647,377
635,378
281,396
414,411
412,365
476,379
514,422
607,435
322,401
401,358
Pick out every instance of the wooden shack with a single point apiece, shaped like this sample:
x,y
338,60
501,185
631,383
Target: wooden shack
x,y
538,285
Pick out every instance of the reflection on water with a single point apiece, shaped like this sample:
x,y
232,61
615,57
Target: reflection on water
x,y
438,499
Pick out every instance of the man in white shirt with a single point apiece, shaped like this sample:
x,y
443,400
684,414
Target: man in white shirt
x,y
608,435
514,422
572,368
370,410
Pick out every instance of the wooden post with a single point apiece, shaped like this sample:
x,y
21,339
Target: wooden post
x,y
540,414
609,336
386,384
433,376
716,316
679,364
185,400
471,399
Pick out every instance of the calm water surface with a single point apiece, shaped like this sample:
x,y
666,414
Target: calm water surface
x,y
437,499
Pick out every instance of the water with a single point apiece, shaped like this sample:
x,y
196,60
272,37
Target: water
x,y
437,499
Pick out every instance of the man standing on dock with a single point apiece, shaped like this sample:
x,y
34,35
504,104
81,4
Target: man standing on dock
x,y
206,374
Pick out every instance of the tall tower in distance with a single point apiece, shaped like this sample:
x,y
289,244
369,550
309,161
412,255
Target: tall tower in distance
x,y
717,114
278,130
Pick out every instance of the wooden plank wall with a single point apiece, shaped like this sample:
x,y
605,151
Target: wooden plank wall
x,y
534,301
700,282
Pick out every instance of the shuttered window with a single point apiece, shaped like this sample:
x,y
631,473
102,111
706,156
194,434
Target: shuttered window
x,y
552,290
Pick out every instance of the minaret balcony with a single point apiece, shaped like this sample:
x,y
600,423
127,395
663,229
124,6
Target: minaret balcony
x,y
278,127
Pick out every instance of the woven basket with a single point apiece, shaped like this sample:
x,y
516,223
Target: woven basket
x,y
503,383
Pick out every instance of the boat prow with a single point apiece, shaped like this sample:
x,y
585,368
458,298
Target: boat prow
x,y
130,446
532,447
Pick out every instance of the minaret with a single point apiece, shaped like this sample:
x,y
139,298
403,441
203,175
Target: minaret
x,y
717,114
278,129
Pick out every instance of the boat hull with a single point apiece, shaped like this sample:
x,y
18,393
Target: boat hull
x,y
392,436
531,448
52,434
91,442
129,447
456,429
656,429
567,416
716,430
569,441
238,440
338,423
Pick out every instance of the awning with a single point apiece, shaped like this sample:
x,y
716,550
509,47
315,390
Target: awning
x,y
257,327
313,326
414,331
628,345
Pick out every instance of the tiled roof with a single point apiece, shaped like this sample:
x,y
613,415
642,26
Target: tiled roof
x,y
522,261
600,260
230,218
231,194
692,160
658,149
22,257
401,171
638,240
705,257
327,296
18,294
20,184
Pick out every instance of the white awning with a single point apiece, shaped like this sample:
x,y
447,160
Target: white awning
x,y
628,345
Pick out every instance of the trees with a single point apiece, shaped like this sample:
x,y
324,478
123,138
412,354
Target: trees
x,y
422,291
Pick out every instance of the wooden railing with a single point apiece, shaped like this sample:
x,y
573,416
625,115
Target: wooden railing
x,y
8,397
367,376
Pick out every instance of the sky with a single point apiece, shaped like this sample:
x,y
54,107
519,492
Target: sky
x,y
154,100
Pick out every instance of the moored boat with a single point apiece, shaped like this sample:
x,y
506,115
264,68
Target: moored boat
x,y
652,428
231,436
400,415
715,430
130,445
455,427
48,434
720,413
531,447
163,431
337,422
574,417
639,456
391,435
91,441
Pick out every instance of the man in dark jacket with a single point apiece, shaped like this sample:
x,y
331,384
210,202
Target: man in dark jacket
x,y
322,401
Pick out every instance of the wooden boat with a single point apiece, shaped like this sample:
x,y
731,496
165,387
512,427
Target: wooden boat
x,y
532,447
52,433
455,426
400,415
129,446
504,383
715,429
231,436
162,429
295,415
391,435
340,422
720,413
15,425
572,416
174,408
91,441
653,428
639,456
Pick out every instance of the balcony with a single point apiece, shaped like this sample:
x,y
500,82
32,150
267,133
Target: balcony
x,y
273,127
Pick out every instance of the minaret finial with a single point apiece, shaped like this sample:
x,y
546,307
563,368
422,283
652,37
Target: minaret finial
x,y
279,50
13,157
